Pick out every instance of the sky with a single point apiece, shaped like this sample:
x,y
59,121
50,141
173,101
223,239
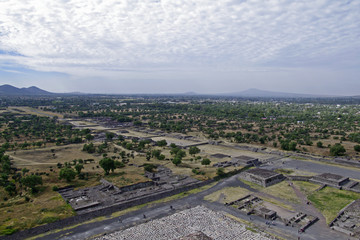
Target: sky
x,y
177,46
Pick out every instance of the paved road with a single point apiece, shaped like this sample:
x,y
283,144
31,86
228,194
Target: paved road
x,y
314,167
316,232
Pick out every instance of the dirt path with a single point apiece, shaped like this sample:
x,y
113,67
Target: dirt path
x,y
308,207
29,162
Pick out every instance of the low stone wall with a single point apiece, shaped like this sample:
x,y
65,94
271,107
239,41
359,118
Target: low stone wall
x,y
137,186
299,178
101,212
309,224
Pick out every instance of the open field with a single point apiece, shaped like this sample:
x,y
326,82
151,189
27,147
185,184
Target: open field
x,y
34,111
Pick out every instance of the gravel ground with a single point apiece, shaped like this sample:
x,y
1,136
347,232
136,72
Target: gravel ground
x,y
199,219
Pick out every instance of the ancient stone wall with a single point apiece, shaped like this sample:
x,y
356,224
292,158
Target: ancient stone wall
x,y
102,212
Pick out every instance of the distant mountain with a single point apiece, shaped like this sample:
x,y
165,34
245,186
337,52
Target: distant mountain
x,y
11,90
253,92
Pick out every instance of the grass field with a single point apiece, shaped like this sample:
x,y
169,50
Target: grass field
x,y
306,188
282,190
331,200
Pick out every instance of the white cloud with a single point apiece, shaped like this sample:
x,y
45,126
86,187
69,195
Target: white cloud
x,y
80,37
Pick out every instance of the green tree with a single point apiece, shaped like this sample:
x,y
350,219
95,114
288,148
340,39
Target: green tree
x,y
357,148
161,143
89,148
149,167
78,168
67,173
119,164
156,153
319,144
292,146
205,161
161,157
11,188
194,150
89,137
24,171
220,172
148,156
107,164
109,136
176,160
31,182
337,150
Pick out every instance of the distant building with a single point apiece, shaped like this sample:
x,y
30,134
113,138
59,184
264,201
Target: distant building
x,y
331,179
262,177
246,161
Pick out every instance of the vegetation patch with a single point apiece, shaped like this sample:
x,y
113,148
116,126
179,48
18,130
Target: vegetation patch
x,y
331,200
282,190
284,171
306,188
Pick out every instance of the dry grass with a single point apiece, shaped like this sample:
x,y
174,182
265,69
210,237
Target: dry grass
x,y
128,176
276,202
35,111
227,194
282,190
45,207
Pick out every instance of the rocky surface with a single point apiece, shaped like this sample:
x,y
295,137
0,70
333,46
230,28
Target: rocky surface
x,y
198,219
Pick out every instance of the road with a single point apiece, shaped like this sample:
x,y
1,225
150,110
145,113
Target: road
x,y
314,167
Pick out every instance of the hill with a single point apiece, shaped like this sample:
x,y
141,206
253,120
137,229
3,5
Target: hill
x,y
11,90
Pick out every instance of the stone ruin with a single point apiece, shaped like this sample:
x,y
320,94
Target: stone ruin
x,y
165,178
220,155
237,161
300,220
348,220
262,177
253,205
336,181
106,194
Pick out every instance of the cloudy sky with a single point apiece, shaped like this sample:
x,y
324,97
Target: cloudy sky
x,y
174,46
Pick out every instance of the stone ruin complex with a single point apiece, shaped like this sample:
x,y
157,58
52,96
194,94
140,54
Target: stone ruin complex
x,y
106,194
348,220
253,205
237,161
336,181
262,177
